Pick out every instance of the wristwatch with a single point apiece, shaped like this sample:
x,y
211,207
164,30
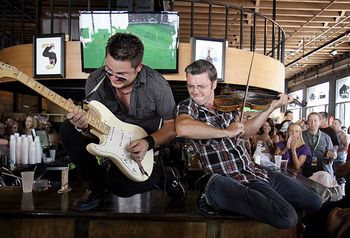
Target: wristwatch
x,y
151,142
84,131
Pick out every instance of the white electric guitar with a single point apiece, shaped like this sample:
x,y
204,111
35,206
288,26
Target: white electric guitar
x,y
114,135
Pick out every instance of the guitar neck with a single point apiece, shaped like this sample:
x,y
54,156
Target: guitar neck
x,y
61,102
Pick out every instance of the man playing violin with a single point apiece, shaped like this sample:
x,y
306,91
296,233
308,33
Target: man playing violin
x,y
233,182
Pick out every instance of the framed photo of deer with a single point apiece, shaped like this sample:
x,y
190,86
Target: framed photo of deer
x,y
48,56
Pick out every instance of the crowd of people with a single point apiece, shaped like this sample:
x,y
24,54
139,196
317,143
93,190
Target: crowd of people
x,y
10,126
233,183
308,146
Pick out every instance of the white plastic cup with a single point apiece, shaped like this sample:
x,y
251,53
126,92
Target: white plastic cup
x,y
278,159
53,154
257,159
27,181
31,159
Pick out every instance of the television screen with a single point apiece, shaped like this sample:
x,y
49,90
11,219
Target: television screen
x,y
158,32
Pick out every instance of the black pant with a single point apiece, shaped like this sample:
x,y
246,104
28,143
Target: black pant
x,y
316,223
99,177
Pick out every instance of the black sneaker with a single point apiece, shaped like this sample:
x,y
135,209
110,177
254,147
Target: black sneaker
x,y
174,186
202,204
204,207
89,201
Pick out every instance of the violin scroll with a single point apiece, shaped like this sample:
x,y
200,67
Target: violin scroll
x,y
295,101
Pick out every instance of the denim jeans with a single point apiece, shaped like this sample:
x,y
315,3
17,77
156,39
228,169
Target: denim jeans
x,y
341,159
274,203
324,165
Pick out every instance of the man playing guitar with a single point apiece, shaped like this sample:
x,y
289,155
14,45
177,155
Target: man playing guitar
x,y
136,95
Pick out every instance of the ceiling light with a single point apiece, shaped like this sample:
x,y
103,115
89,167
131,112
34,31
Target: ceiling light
x,y
333,53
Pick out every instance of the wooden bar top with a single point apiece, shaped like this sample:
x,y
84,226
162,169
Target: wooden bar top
x,y
153,204
147,215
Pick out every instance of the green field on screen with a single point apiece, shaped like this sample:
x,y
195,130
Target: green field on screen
x,y
160,47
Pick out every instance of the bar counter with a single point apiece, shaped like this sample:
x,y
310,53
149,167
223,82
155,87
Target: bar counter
x,y
47,214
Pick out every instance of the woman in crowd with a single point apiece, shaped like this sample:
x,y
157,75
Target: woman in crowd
x,y
267,136
282,129
29,123
12,127
3,137
294,149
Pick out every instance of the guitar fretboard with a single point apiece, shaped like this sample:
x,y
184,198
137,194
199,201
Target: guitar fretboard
x,y
54,97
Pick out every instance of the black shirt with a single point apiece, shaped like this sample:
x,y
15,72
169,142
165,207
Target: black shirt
x,y
151,99
332,134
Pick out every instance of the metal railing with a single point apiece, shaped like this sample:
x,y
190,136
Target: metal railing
x,y
242,28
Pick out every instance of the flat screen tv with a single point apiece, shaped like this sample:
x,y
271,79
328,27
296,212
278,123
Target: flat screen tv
x,y
158,32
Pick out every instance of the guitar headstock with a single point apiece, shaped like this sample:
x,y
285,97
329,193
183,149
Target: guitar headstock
x,y
9,71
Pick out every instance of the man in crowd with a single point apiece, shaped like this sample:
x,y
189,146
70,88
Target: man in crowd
x,y
329,130
137,95
234,183
288,115
343,141
342,148
323,152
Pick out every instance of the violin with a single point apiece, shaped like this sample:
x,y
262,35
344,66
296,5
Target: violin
x,y
254,100
229,103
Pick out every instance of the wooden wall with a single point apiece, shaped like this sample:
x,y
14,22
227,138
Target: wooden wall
x,y
266,72
85,228
6,105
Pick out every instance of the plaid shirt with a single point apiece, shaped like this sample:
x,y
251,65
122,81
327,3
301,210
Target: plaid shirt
x,y
225,156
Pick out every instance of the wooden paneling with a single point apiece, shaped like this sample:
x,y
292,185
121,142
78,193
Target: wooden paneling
x,y
147,215
27,228
6,99
144,229
240,230
266,72
69,228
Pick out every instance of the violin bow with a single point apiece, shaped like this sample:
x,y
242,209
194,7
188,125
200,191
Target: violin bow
x,y
247,87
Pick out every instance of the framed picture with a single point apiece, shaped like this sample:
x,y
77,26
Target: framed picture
x,y
213,50
48,56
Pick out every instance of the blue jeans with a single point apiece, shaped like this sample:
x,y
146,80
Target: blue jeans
x,y
274,203
341,159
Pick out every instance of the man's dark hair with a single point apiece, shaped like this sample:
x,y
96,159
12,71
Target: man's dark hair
x,y
287,112
340,122
324,115
125,47
202,66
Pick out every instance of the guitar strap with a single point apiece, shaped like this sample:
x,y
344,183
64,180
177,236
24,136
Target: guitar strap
x,y
86,99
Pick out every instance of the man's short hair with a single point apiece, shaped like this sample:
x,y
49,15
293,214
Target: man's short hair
x,y
287,112
324,115
340,122
125,47
314,113
202,66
